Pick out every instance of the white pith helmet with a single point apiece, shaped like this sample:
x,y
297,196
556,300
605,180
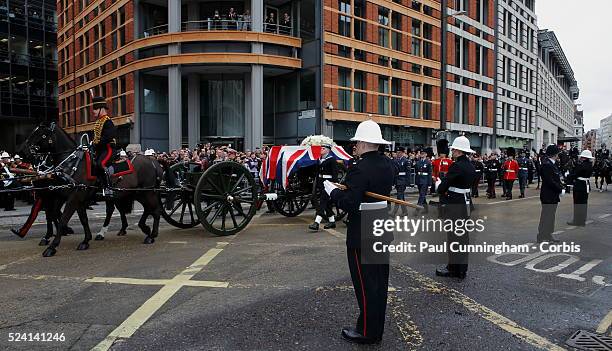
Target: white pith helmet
x,y
462,143
122,153
5,155
587,154
149,152
369,132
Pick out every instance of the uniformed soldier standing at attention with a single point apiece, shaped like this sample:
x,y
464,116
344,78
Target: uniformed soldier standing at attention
x,y
510,168
552,188
104,141
441,164
456,201
328,170
523,172
373,172
492,168
402,168
423,178
479,167
580,177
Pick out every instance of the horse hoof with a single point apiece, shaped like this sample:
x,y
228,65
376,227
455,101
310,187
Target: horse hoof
x,y
121,232
145,229
49,252
68,231
99,237
149,240
43,242
83,246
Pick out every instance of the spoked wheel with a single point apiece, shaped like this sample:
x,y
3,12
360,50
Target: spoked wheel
x,y
291,204
177,205
226,198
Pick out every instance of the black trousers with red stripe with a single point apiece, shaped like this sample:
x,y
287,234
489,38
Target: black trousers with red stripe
x,y
371,283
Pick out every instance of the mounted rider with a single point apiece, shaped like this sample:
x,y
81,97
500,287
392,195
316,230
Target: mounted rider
x,y
104,142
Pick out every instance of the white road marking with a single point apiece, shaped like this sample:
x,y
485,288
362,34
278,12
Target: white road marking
x,y
605,323
169,288
25,259
177,242
558,232
589,221
605,215
570,227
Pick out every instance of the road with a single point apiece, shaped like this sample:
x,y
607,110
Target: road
x,y
276,286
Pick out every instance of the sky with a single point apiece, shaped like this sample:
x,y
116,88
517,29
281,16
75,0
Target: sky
x,y
583,30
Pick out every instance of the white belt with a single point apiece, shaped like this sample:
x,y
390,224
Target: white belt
x,y
459,190
369,206
326,176
401,173
423,173
587,183
493,170
523,169
478,170
510,170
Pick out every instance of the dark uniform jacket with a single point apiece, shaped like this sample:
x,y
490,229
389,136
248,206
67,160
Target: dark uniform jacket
x,y
462,175
551,182
423,172
478,167
492,168
328,170
523,163
373,172
583,169
107,136
402,167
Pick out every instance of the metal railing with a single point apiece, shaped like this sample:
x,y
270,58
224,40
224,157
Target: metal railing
x,y
220,25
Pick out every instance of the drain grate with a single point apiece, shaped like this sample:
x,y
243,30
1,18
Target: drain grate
x,y
584,340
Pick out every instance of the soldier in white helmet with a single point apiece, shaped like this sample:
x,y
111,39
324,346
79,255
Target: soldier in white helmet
x,y
455,197
373,172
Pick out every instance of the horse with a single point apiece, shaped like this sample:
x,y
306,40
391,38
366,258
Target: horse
x,y
74,163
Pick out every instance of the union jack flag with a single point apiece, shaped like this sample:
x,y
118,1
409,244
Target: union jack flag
x,y
282,161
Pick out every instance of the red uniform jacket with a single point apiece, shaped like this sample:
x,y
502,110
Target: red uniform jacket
x,y
440,165
511,168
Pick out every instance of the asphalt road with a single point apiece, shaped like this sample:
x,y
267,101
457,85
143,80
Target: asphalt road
x,y
276,286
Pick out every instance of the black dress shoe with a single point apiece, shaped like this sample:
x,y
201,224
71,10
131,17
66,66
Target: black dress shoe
x,y
352,335
330,225
576,224
314,226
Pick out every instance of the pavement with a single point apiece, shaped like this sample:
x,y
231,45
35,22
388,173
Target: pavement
x,y
277,286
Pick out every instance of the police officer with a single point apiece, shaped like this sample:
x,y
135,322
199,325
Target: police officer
x,y
104,141
580,177
479,167
7,200
455,198
552,188
423,177
491,169
523,173
373,172
402,172
328,170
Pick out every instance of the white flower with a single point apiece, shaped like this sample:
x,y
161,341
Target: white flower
x,y
317,140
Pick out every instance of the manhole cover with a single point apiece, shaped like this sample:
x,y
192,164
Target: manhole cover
x,y
583,340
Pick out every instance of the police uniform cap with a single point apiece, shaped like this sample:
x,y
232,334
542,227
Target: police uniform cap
x,y
401,148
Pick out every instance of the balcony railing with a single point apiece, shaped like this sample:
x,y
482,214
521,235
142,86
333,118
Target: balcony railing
x,y
220,25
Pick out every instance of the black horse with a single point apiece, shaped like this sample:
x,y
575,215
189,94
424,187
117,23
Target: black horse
x,y
70,162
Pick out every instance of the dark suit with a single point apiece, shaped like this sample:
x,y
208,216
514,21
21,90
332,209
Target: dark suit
x,y
549,197
373,172
461,175
582,187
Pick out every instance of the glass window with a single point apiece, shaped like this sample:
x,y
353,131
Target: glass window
x,y
383,16
155,94
344,22
416,47
457,107
344,100
344,77
383,37
383,100
360,30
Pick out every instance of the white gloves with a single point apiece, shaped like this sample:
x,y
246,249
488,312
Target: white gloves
x,y
329,187
438,182
562,192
